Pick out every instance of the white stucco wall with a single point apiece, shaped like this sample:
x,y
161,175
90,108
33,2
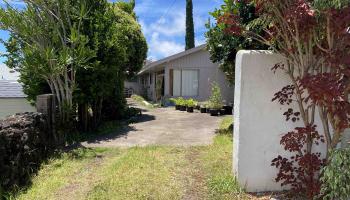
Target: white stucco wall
x,y
10,106
259,122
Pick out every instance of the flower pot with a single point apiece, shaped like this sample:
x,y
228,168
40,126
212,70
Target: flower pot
x,y
214,112
182,108
222,112
177,107
190,109
228,110
203,110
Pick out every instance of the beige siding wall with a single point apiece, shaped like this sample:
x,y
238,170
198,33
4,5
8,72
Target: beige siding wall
x,y
10,106
208,73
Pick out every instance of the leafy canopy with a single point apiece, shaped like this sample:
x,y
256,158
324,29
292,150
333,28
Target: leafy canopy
x,y
222,45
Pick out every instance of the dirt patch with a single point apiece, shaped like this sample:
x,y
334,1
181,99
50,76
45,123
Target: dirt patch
x,y
195,182
82,182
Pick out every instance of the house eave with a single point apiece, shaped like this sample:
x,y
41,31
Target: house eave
x,y
153,65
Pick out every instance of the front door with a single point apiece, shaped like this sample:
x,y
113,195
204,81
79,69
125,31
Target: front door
x,y
159,86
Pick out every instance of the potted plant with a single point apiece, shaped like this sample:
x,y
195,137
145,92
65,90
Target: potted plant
x,y
190,103
228,109
215,100
203,107
222,111
182,104
175,102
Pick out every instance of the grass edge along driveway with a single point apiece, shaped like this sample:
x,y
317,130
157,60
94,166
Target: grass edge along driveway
x,y
153,172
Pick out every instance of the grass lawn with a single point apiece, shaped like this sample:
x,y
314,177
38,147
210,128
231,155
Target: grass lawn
x,y
154,172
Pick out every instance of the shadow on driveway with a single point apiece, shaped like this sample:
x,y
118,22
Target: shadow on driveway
x,y
161,126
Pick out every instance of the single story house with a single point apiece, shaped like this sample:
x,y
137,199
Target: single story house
x,y
188,74
12,99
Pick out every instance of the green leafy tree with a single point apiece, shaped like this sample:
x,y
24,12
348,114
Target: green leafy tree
x,y
120,51
50,46
190,43
88,54
222,45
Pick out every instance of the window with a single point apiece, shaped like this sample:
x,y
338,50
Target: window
x,y
185,83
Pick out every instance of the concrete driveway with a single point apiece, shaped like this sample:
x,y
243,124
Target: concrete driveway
x,y
162,126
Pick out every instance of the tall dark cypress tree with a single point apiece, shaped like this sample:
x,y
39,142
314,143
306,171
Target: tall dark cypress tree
x,y
189,25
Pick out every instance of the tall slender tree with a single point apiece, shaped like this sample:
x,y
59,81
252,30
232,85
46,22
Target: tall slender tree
x,y
189,25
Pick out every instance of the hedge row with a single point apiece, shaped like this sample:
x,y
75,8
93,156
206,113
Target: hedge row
x,y
23,146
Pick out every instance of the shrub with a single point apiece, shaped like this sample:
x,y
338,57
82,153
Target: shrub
x,y
215,100
178,101
191,103
336,175
24,143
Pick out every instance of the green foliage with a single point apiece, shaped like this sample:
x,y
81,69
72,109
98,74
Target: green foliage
x,y
215,100
47,46
336,175
178,101
190,43
224,46
181,101
190,102
121,49
325,4
97,42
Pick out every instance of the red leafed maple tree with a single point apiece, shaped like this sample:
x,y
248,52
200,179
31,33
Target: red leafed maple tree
x,y
314,38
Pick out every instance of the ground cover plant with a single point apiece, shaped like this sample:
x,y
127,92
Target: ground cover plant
x,y
313,37
336,175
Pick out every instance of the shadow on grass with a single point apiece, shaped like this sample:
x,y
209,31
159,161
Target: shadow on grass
x,y
70,153
225,131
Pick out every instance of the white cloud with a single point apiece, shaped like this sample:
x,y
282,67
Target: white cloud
x,y
7,74
163,48
145,6
165,26
174,25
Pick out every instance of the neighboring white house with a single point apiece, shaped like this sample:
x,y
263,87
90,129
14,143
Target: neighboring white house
x,y
12,99
189,74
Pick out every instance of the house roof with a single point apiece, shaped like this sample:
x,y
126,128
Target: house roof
x,y
152,65
11,89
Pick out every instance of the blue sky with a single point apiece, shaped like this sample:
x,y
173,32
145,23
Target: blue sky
x,y
163,23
